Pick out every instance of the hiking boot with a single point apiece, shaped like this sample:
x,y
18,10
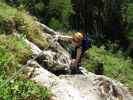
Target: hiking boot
x,y
76,71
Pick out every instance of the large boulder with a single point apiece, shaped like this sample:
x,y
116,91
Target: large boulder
x,y
98,87
78,87
60,88
55,58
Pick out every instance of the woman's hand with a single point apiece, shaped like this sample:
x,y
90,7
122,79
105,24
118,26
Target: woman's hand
x,y
74,63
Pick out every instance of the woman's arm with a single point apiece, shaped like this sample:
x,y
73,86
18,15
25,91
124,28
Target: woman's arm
x,y
79,52
64,38
75,61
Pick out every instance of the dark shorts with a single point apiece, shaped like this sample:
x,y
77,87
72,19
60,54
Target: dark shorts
x,y
72,52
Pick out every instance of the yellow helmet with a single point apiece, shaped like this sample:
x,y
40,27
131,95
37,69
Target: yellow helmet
x,y
78,37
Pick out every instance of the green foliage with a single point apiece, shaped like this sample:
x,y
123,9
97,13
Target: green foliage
x,y
61,10
115,66
6,11
47,10
39,8
130,20
130,13
24,90
55,24
13,53
27,25
13,20
6,15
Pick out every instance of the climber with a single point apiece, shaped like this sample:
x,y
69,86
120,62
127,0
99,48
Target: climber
x,y
79,44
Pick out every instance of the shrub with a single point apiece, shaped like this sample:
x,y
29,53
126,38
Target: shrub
x,y
13,20
115,65
55,24
24,90
13,53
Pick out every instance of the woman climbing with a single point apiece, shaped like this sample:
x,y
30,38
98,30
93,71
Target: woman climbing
x,y
79,43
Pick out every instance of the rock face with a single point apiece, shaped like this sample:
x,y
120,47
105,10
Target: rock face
x,y
55,58
87,86
60,88
98,87
79,87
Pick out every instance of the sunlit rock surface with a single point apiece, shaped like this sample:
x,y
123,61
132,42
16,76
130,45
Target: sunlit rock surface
x,y
79,87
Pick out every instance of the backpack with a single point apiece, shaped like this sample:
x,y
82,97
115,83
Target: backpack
x,y
86,43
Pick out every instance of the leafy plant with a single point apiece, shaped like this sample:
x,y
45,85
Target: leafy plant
x,y
13,20
47,10
13,53
55,24
116,65
24,90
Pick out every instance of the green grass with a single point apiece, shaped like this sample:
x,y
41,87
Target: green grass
x,y
24,90
14,52
7,11
116,66
12,20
